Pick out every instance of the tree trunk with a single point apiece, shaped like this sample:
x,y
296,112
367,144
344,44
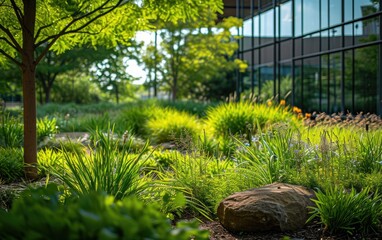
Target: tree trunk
x,y
29,90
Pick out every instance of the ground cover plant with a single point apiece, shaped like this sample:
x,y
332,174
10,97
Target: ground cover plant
x,y
188,163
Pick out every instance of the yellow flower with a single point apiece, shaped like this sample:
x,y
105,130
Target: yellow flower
x,y
269,103
282,102
308,115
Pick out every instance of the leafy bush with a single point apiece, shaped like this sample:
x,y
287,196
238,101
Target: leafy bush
x,y
40,214
168,125
342,211
11,164
107,168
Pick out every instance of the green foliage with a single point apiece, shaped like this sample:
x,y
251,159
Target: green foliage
x,y
107,168
11,164
48,160
232,119
168,125
342,211
134,118
46,128
199,177
192,107
370,152
41,214
11,131
274,156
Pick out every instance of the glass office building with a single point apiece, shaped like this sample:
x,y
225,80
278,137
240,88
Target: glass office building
x,y
319,55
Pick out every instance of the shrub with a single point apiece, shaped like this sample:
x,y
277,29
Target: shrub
x,y
40,214
168,125
11,164
342,211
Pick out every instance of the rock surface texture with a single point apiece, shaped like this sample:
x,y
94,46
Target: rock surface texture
x,y
274,207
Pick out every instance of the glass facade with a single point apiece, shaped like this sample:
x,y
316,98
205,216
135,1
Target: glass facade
x,y
319,55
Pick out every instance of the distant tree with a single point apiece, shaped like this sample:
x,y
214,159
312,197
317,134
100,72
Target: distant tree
x,y
109,72
28,25
192,54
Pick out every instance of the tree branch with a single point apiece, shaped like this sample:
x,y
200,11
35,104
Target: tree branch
x,y
12,38
18,12
65,31
8,42
10,58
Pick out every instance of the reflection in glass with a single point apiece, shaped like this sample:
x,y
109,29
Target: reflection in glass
x,y
363,8
286,20
311,16
348,10
247,34
311,85
335,12
348,82
312,43
335,38
286,82
366,77
297,18
335,82
324,13
267,26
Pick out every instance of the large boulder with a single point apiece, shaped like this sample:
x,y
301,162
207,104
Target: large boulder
x,y
274,207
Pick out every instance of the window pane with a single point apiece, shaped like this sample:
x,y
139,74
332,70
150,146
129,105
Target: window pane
x,y
286,82
267,55
348,10
311,15
366,72
286,50
297,18
286,20
335,82
311,44
311,85
247,34
335,12
324,13
267,26
335,38
348,83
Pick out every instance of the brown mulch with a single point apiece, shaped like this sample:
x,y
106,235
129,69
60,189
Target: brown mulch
x,y
313,231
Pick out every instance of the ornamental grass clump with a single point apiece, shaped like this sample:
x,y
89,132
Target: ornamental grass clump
x,y
342,211
246,118
106,168
169,125
11,164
